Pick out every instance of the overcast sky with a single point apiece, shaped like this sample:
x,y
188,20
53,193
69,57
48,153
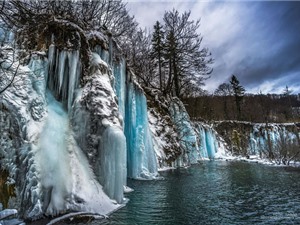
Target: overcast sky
x,y
258,41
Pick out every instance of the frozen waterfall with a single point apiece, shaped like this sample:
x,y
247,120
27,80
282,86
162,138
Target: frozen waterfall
x,y
210,144
141,160
67,181
266,138
199,141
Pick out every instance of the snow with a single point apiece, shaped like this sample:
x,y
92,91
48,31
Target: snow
x,y
7,213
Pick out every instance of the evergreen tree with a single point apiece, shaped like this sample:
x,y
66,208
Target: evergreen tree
x,y
239,92
157,50
288,112
287,91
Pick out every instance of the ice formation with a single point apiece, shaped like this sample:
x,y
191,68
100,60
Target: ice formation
x,y
269,138
198,141
141,161
76,141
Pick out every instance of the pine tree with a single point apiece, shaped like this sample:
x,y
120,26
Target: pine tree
x,y
157,50
239,92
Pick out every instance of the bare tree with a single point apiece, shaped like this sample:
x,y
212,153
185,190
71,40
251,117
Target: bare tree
x,y
30,18
224,90
185,62
8,59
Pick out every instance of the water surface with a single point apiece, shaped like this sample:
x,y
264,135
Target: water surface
x,y
214,193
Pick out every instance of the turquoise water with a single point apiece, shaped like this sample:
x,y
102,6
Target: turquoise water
x,y
214,193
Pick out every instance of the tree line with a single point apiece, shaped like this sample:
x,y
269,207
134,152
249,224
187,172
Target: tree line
x,y
231,102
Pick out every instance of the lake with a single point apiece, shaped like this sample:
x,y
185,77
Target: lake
x,y
214,192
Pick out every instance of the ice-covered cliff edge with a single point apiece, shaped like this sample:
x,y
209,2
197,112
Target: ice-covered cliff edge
x,y
50,171
74,133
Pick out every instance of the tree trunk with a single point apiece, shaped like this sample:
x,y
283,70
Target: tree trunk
x,y
176,78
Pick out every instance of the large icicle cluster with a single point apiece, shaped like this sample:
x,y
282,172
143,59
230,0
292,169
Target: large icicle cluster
x,y
141,160
64,70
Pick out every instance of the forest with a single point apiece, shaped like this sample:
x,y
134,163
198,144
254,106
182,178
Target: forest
x,y
231,102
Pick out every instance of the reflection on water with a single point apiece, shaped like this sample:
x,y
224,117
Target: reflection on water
x,y
214,193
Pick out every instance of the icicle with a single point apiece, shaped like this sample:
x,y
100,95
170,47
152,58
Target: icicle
x,y
51,60
203,148
210,144
105,56
111,51
120,85
73,75
113,162
61,69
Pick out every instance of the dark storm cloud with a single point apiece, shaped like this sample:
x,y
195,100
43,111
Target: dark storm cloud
x,y
279,56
